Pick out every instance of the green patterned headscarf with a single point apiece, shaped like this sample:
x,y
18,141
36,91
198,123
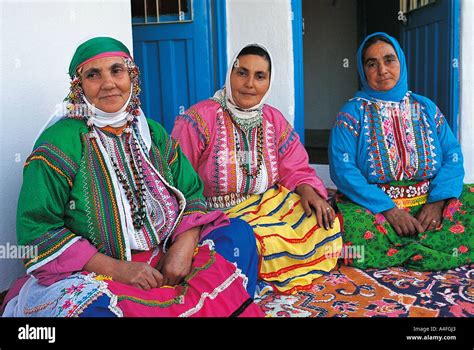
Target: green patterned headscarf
x,y
90,50
96,48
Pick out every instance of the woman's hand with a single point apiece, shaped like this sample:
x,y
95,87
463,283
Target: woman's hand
x,y
431,215
140,275
402,222
309,198
176,263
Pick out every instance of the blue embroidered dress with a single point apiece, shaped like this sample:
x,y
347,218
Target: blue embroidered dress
x,y
376,142
395,148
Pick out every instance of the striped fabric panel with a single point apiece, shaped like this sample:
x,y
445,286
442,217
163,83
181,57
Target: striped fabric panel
x,y
294,250
172,154
171,150
56,159
155,157
160,162
105,206
197,205
48,246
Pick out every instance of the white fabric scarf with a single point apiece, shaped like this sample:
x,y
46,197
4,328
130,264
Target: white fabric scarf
x,y
142,123
102,119
226,93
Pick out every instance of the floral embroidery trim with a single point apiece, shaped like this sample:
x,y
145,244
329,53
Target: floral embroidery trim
x,y
407,196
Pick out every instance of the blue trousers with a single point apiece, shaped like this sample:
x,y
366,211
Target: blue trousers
x,y
235,242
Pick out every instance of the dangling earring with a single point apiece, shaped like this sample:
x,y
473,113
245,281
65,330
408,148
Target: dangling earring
x,y
134,105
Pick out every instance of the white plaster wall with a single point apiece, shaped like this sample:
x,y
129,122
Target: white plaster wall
x,y
267,22
37,41
466,118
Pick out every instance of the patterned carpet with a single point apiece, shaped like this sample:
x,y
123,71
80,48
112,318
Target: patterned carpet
x,y
393,292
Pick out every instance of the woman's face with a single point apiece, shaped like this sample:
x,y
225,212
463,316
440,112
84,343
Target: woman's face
x,y
106,83
381,66
249,80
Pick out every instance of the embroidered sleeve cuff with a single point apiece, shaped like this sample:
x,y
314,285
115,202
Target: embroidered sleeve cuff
x,y
69,261
48,247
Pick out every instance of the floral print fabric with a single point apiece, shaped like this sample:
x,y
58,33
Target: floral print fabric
x,y
377,244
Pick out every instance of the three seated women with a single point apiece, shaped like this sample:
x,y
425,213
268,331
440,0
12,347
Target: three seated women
x,y
131,222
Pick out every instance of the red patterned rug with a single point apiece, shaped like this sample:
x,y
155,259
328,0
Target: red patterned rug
x,y
392,292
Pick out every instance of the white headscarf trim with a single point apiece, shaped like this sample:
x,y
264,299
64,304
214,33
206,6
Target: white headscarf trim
x,y
142,125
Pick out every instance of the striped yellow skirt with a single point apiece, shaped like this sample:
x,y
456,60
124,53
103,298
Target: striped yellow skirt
x,y
293,249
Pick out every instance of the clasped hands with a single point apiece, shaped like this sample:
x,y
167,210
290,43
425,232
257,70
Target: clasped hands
x,y
172,268
429,218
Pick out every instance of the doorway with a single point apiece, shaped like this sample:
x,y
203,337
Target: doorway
x,y
180,48
428,32
333,30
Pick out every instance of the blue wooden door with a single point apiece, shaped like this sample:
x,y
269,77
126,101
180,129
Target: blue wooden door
x,y
430,41
172,46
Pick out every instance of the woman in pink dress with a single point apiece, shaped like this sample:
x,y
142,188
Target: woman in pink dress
x,y
254,167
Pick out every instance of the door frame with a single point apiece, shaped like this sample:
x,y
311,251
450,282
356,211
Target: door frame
x,y
455,25
297,29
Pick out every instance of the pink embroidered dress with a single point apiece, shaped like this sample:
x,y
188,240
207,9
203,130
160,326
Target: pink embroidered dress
x,y
250,162
215,145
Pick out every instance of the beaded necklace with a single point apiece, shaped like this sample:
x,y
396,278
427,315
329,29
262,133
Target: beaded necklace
x,y
243,124
137,196
241,161
246,125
